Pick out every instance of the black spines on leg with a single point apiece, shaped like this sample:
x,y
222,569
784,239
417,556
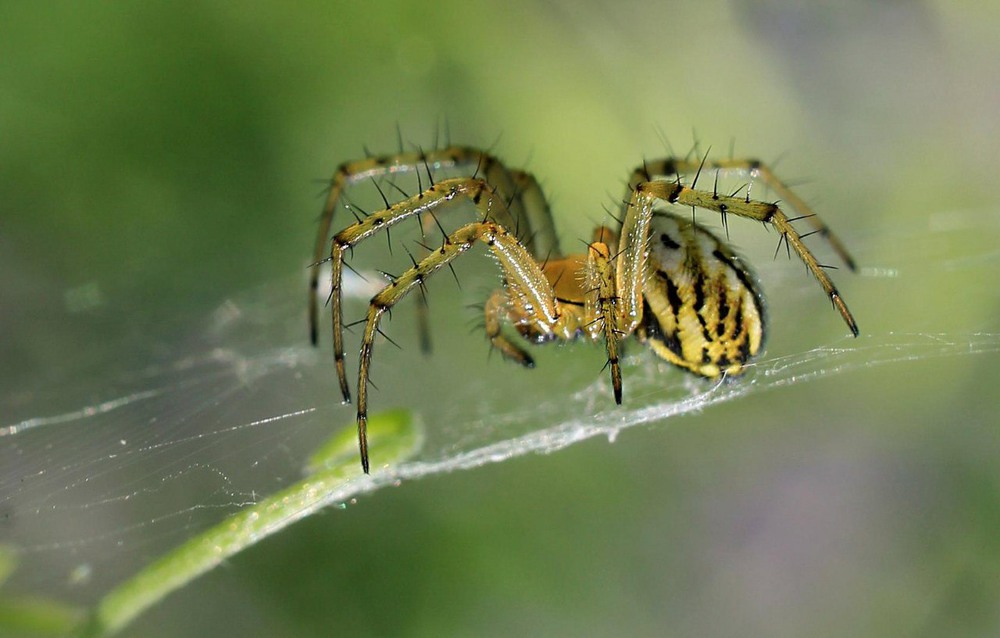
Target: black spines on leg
x,y
399,190
440,227
479,165
420,182
388,338
353,270
645,171
515,194
697,174
723,209
455,275
419,277
795,219
782,238
620,220
385,199
410,255
354,208
350,326
427,168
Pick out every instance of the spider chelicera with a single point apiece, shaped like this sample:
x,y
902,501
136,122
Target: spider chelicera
x,y
674,285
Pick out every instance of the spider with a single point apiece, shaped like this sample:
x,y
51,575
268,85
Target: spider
x,y
663,278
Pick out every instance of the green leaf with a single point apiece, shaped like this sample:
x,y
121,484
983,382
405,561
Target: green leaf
x,y
331,472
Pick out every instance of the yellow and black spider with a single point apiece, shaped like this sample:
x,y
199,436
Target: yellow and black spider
x,y
661,277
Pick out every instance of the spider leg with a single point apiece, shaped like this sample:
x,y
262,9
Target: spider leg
x,y
496,308
540,235
427,224
635,230
442,194
526,200
528,209
602,302
525,279
671,167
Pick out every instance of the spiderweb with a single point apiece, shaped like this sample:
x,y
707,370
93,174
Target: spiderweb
x,y
97,480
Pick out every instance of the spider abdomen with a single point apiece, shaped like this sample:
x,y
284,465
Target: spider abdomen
x,y
703,309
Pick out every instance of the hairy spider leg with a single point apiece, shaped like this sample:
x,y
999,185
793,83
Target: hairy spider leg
x,y
482,194
423,205
526,200
496,309
527,288
350,173
602,306
676,166
635,233
535,229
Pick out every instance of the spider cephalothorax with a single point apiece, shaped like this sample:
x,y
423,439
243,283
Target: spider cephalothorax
x,y
658,276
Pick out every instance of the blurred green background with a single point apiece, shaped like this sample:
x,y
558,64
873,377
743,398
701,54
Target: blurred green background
x,y
157,158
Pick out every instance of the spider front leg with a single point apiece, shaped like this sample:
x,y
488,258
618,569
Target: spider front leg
x,y
526,284
534,228
524,199
635,230
440,195
351,173
677,166
602,306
